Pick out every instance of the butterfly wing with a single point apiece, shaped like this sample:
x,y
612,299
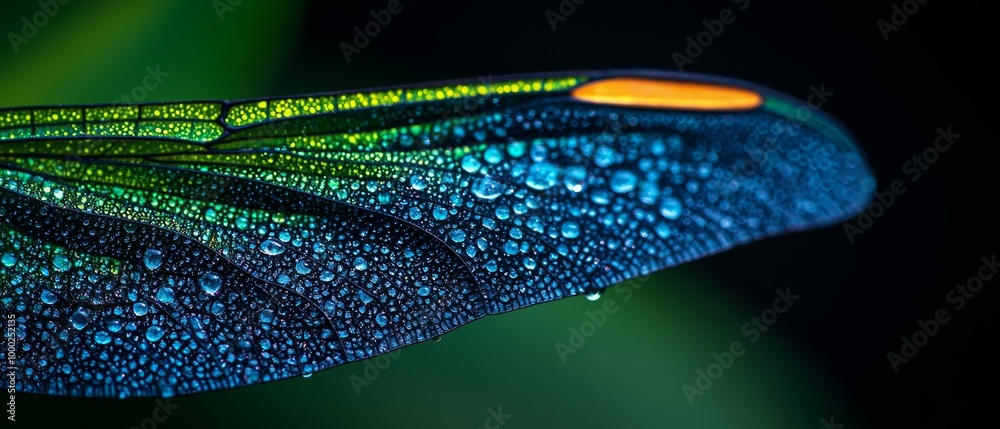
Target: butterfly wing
x,y
176,248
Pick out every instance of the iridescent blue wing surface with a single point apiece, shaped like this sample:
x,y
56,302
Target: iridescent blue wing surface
x,y
163,249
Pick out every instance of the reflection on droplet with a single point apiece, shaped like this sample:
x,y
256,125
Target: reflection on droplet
x,y
154,333
152,258
210,283
272,247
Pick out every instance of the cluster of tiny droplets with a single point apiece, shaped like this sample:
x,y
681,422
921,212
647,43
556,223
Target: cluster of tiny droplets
x,y
148,279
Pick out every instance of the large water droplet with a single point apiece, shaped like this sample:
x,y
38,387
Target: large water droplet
x,y
415,213
662,230
423,291
542,176
570,229
470,164
575,179
272,247
360,263
418,183
486,188
210,283
457,236
61,263
49,297
140,309
622,181
604,156
440,213
8,259
80,318
102,337
594,296
266,316
154,333
381,320
165,295
303,266
153,259
670,208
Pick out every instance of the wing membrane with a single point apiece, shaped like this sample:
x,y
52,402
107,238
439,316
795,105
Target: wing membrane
x,y
177,248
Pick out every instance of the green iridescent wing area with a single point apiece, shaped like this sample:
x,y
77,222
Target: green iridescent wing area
x,y
153,250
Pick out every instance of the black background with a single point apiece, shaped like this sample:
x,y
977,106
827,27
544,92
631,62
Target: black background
x,y
892,94
935,71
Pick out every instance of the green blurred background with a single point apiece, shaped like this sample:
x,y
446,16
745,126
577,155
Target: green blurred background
x,y
630,372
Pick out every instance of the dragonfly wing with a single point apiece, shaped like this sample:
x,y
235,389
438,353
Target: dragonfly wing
x,y
181,248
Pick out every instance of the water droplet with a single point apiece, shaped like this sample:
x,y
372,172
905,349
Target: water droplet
x,y
266,316
493,155
251,375
102,337
486,188
304,266
470,164
575,179
440,213
662,230
529,263
491,266
153,259
570,229
80,318
623,181
539,153
542,176
457,236
510,247
415,213
381,320
423,291
154,333
218,308
360,263
210,283
272,247
242,222
61,263
594,296
418,183
670,208
648,192
165,295
140,309
604,156
49,297
8,259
